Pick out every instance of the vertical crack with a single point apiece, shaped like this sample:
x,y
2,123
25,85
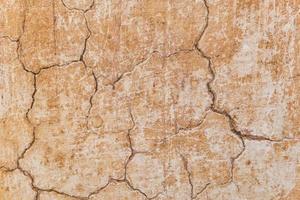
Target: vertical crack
x,y
36,190
86,39
26,173
91,100
131,156
133,152
213,106
201,191
33,99
186,167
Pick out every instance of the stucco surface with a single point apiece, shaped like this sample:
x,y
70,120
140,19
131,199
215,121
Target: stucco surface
x,y
149,99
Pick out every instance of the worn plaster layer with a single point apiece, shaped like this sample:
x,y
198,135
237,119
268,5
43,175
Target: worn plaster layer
x,y
148,99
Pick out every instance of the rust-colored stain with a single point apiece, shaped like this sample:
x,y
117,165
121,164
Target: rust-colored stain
x,y
149,99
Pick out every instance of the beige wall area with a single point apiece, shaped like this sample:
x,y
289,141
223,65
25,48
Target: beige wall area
x,y
149,99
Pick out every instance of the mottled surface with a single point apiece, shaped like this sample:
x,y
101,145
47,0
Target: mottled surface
x,y
149,99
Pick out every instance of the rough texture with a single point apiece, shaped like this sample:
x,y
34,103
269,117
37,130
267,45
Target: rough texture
x,y
256,63
149,99
15,186
16,88
124,33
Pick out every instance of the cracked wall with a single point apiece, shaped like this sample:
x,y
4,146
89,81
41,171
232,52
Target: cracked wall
x,y
149,99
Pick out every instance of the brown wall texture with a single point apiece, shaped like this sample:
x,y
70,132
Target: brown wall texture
x,y
150,99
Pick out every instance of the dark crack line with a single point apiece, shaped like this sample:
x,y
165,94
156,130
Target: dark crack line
x,y
29,109
61,193
191,127
142,61
259,138
78,9
9,38
140,191
120,77
80,59
26,173
133,152
26,149
91,100
202,190
33,100
186,167
100,189
213,94
86,39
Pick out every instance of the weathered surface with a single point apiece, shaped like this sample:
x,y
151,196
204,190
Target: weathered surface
x,y
259,173
83,5
54,196
16,88
120,191
12,15
199,157
46,40
144,99
64,156
124,33
15,186
256,64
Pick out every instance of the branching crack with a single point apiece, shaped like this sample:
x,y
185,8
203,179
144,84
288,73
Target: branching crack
x,y
133,152
186,167
213,94
131,156
80,59
34,74
213,107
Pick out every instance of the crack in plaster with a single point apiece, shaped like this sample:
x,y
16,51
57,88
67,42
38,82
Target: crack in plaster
x,y
213,94
213,108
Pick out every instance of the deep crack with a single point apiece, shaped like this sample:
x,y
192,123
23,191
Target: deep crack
x,y
213,94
